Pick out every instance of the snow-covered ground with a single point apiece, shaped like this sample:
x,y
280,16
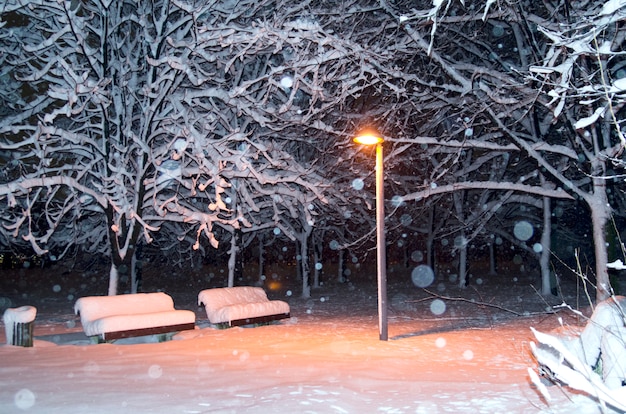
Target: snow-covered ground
x,y
466,357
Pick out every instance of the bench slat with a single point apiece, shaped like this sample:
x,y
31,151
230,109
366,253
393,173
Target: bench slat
x,y
110,336
260,319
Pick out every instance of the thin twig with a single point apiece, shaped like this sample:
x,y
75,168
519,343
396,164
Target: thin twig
x,y
474,302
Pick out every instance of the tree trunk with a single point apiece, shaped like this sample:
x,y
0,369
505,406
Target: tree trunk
x,y
600,211
430,238
304,259
235,265
261,258
113,280
124,269
133,274
232,259
463,262
492,258
298,261
317,270
123,237
546,248
461,243
340,259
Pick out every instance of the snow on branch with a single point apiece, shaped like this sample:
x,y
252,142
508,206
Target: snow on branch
x,y
617,265
504,186
24,185
488,145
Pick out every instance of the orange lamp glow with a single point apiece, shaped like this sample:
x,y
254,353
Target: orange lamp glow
x,y
369,137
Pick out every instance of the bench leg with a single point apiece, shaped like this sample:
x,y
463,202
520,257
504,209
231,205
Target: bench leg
x,y
166,336
96,339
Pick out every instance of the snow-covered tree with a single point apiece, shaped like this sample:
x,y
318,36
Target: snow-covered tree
x,y
201,119
540,80
221,120
123,134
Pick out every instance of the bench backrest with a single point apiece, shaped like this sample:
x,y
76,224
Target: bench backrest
x,y
92,308
220,297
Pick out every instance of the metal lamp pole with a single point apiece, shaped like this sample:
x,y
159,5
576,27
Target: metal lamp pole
x,y
373,137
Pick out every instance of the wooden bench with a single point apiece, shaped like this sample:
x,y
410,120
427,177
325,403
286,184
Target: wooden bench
x,y
106,318
241,305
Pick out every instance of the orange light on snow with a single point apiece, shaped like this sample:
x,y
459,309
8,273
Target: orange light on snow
x,y
274,285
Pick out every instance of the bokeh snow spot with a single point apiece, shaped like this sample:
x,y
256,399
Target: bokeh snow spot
x,y
422,276
417,256
358,184
440,342
24,399
91,368
460,242
557,212
244,356
523,230
397,200
286,82
155,371
437,307
406,220
468,355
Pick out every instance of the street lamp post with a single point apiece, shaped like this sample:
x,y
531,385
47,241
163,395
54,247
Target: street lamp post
x,y
373,137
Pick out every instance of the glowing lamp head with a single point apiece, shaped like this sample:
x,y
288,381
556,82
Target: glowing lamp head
x,y
369,137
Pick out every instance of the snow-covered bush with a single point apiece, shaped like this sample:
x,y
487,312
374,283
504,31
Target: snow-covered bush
x,y
594,361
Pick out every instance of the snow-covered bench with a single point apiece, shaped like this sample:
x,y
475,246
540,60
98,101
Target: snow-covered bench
x,y
241,305
113,317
